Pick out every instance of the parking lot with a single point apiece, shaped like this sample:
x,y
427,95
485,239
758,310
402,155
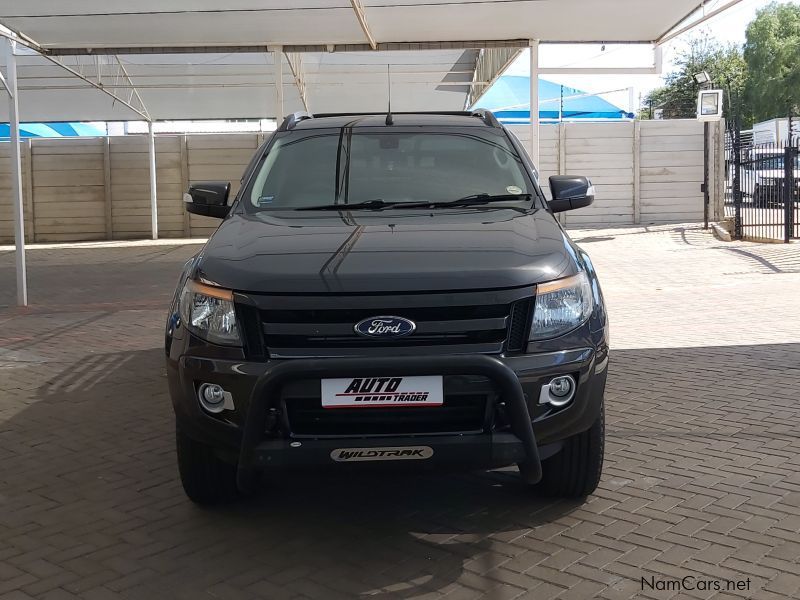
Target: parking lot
x,y
702,474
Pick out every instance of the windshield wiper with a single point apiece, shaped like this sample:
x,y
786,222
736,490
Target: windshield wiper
x,y
377,203
472,200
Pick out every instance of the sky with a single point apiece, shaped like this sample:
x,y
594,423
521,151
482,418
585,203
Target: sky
x,y
727,27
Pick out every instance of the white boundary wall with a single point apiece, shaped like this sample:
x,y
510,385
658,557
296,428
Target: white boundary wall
x,y
644,171
98,188
78,189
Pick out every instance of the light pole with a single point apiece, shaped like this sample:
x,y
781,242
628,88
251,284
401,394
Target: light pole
x,y
704,80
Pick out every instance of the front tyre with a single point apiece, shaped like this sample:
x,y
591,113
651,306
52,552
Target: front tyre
x,y
575,471
207,480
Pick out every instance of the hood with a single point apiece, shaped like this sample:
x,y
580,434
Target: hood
x,y
386,251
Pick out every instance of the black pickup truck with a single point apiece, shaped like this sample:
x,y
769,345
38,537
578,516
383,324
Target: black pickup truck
x,y
388,291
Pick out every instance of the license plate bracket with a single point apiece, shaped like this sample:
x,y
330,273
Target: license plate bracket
x,y
383,392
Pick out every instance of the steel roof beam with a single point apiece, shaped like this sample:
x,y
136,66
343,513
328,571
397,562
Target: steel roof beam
x,y
243,85
381,47
297,48
141,111
295,61
20,38
362,20
490,65
673,33
127,78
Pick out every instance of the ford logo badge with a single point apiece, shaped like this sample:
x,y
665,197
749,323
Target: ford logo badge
x,y
385,327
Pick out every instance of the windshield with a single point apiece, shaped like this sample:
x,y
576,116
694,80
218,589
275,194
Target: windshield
x,y
307,169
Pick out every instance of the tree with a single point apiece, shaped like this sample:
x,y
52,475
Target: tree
x,y
772,55
677,98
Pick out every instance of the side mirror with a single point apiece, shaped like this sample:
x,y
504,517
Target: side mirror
x,y
570,192
208,198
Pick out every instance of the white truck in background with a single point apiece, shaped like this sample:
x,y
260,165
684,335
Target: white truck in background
x,y
762,174
774,130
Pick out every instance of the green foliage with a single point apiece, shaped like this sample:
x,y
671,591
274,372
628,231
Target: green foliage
x,y
772,54
677,98
761,82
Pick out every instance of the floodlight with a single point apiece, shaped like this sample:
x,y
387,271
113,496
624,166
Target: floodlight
x,y
702,77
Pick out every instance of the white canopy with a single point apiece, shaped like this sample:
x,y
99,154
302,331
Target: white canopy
x,y
195,59
77,25
239,85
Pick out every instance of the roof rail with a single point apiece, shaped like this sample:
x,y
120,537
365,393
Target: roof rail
x,y
394,112
486,116
483,114
293,119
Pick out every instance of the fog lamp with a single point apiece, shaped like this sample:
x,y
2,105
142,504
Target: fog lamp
x,y
558,392
214,398
561,386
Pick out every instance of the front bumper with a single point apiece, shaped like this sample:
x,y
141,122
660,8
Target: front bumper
x,y
496,449
533,432
266,394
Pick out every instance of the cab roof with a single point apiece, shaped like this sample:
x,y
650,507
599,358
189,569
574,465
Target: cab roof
x,y
303,121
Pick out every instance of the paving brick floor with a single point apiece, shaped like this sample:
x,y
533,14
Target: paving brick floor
x,y
702,475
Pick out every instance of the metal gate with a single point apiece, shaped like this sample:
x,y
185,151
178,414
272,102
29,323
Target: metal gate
x,y
763,188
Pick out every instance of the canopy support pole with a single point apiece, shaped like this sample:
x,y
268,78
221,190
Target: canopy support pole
x,y
16,171
277,57
151,150
534,125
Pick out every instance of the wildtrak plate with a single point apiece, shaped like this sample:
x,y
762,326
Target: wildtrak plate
x,y
387,453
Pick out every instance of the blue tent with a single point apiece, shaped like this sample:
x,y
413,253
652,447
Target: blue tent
x,y
509,99
27,130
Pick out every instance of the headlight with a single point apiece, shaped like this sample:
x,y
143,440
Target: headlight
x,y
561,306
207,311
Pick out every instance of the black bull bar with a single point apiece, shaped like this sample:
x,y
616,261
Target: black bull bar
x,y
266,395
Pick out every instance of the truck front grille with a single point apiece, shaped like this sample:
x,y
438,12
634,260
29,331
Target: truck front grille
x,y
318,326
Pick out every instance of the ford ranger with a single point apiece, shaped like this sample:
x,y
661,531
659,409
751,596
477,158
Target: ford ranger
x,y
388,291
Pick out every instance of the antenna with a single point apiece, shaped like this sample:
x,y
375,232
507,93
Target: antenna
x,y
389,119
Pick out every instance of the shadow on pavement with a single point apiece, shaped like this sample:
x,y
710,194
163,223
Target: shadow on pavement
x,y
90,487
93,462
590,239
